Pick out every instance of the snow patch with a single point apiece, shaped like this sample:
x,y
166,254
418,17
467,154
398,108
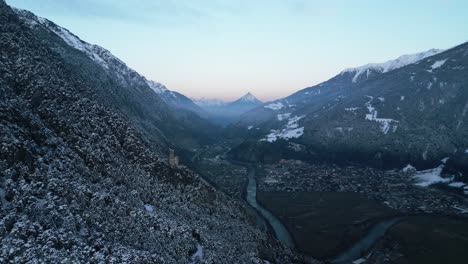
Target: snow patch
x,y
198,254
359,261
385,123
352,109
292,130
424,154
431,176
408,168
438,64
275,106
457,184
282,117
149,208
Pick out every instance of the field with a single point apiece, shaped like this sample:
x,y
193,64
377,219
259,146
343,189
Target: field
x,y
425,239
324,223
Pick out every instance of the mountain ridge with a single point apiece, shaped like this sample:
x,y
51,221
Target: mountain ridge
x,y
398,111
389,65
110,62
137,98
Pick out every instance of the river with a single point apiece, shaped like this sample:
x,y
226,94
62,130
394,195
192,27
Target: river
x,y
363,245
280,230
356,251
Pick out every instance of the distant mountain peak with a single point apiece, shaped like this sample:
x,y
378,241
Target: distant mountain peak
x,y
392,64
248,97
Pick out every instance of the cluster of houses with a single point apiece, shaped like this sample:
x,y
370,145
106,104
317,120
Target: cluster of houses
x,y
396,189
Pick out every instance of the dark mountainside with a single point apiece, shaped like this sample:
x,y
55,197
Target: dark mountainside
x,y
415,114
122,87
82,179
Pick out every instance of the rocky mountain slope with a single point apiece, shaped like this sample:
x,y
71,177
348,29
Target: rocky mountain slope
x,y
145,102
225,113
82,179
176,100
409,110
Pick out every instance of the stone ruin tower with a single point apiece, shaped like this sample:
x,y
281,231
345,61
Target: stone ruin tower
x,y
173,159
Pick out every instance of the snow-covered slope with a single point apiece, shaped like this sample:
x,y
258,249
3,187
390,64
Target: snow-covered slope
x,y
97,53
158,88
110,63
175,99
391,64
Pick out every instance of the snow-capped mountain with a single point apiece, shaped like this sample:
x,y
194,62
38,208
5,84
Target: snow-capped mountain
x,y
248,98
138,96
410,110
224,113
391,64
244,104
111,63
97,53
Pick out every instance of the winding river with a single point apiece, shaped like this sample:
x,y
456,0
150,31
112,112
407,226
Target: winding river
x,y
280,230
356,251
367,242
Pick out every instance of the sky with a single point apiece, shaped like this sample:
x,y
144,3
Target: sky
x,y
272,48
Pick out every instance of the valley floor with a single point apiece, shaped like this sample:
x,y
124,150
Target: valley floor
x,y
328,208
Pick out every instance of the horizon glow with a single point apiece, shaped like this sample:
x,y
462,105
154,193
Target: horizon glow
x,y
224,49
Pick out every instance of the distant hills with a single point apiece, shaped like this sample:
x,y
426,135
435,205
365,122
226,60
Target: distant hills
x,y
225,113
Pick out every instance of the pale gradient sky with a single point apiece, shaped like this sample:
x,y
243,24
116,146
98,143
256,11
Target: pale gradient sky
x,y
272,48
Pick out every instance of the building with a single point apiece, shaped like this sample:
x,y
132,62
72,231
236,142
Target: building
x,y
173,159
